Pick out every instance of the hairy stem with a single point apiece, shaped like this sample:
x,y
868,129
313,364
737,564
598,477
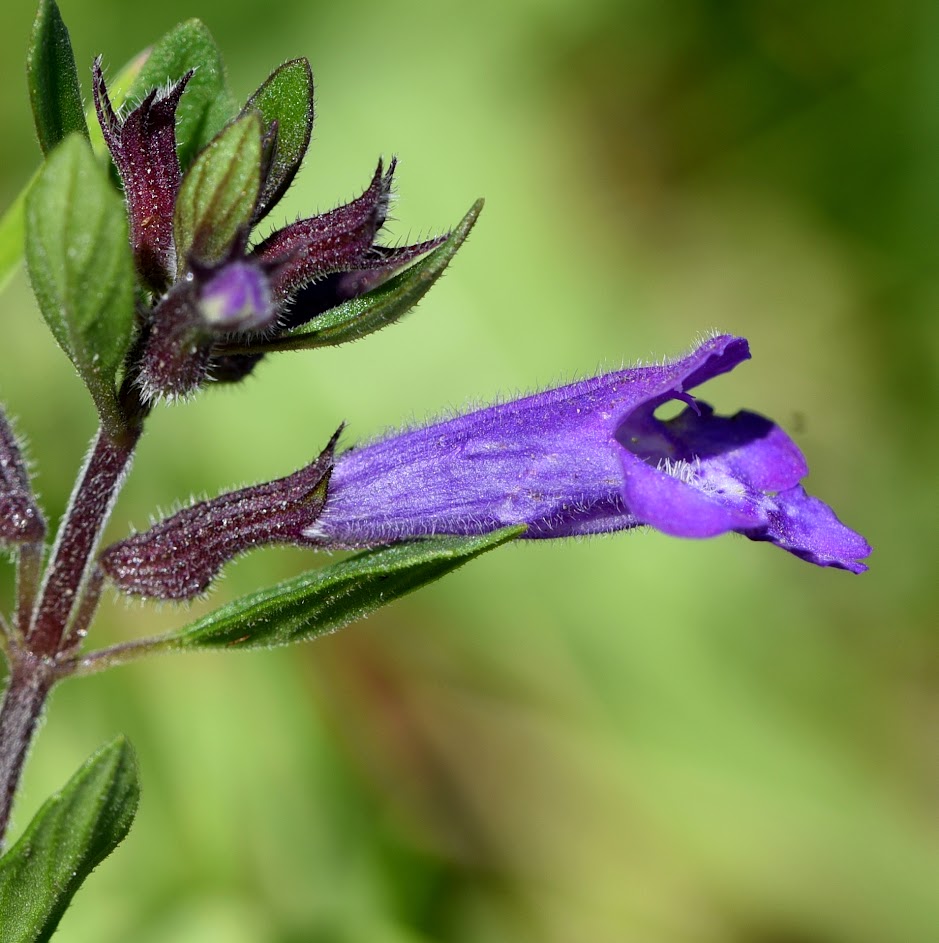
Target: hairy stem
x,y
87,513
28,685
120,654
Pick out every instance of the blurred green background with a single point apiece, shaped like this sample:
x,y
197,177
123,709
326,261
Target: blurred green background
x,y
622,739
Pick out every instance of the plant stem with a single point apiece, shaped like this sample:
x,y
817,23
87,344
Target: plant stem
x,y
114,655
85,517
69,586
28,685
28,572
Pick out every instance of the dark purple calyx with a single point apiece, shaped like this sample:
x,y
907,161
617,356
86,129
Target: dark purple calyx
x,y
337,241
143,148
179,557
206,307
21,521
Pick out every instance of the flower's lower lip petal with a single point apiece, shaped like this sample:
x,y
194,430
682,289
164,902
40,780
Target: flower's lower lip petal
x,y
752,447
675,507
809,528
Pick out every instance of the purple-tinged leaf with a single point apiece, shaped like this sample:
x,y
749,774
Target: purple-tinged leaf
x,y
21,521
143,148
179,557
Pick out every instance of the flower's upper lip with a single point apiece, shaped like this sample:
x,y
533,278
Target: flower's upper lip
x,y
717,355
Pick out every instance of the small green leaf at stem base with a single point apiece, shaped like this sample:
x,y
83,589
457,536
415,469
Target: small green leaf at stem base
x,y
70,836
54,91
383,305
81,267
326,600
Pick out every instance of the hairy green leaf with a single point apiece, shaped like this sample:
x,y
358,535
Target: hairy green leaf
x,y
207,104
326,600
218,194
70,836
81,267
54,91
287,98
382,306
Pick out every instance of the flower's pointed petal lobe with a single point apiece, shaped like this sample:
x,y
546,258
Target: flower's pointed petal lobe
x,y
336,241
143,148
21,521
809,528
717,355
666,500
179,557
285,103
54,92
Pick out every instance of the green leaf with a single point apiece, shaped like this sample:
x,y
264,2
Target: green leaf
x,y
81,268
54,91
383,306
323,601
287,98
12,236
70,836
218,194
207,105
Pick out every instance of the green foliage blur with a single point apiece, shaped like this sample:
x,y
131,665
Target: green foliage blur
x,y
623,739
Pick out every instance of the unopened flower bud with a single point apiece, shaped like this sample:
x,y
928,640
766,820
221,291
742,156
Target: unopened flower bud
x,y
236,298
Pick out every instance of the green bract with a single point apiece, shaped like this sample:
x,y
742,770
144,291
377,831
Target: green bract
x,y
286,98
218,194
69,837
318,603
81,268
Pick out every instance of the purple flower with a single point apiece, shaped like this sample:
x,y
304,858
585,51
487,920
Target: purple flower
x,y
587,458
590,458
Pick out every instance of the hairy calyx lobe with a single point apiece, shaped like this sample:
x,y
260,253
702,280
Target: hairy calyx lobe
x,y
179,557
